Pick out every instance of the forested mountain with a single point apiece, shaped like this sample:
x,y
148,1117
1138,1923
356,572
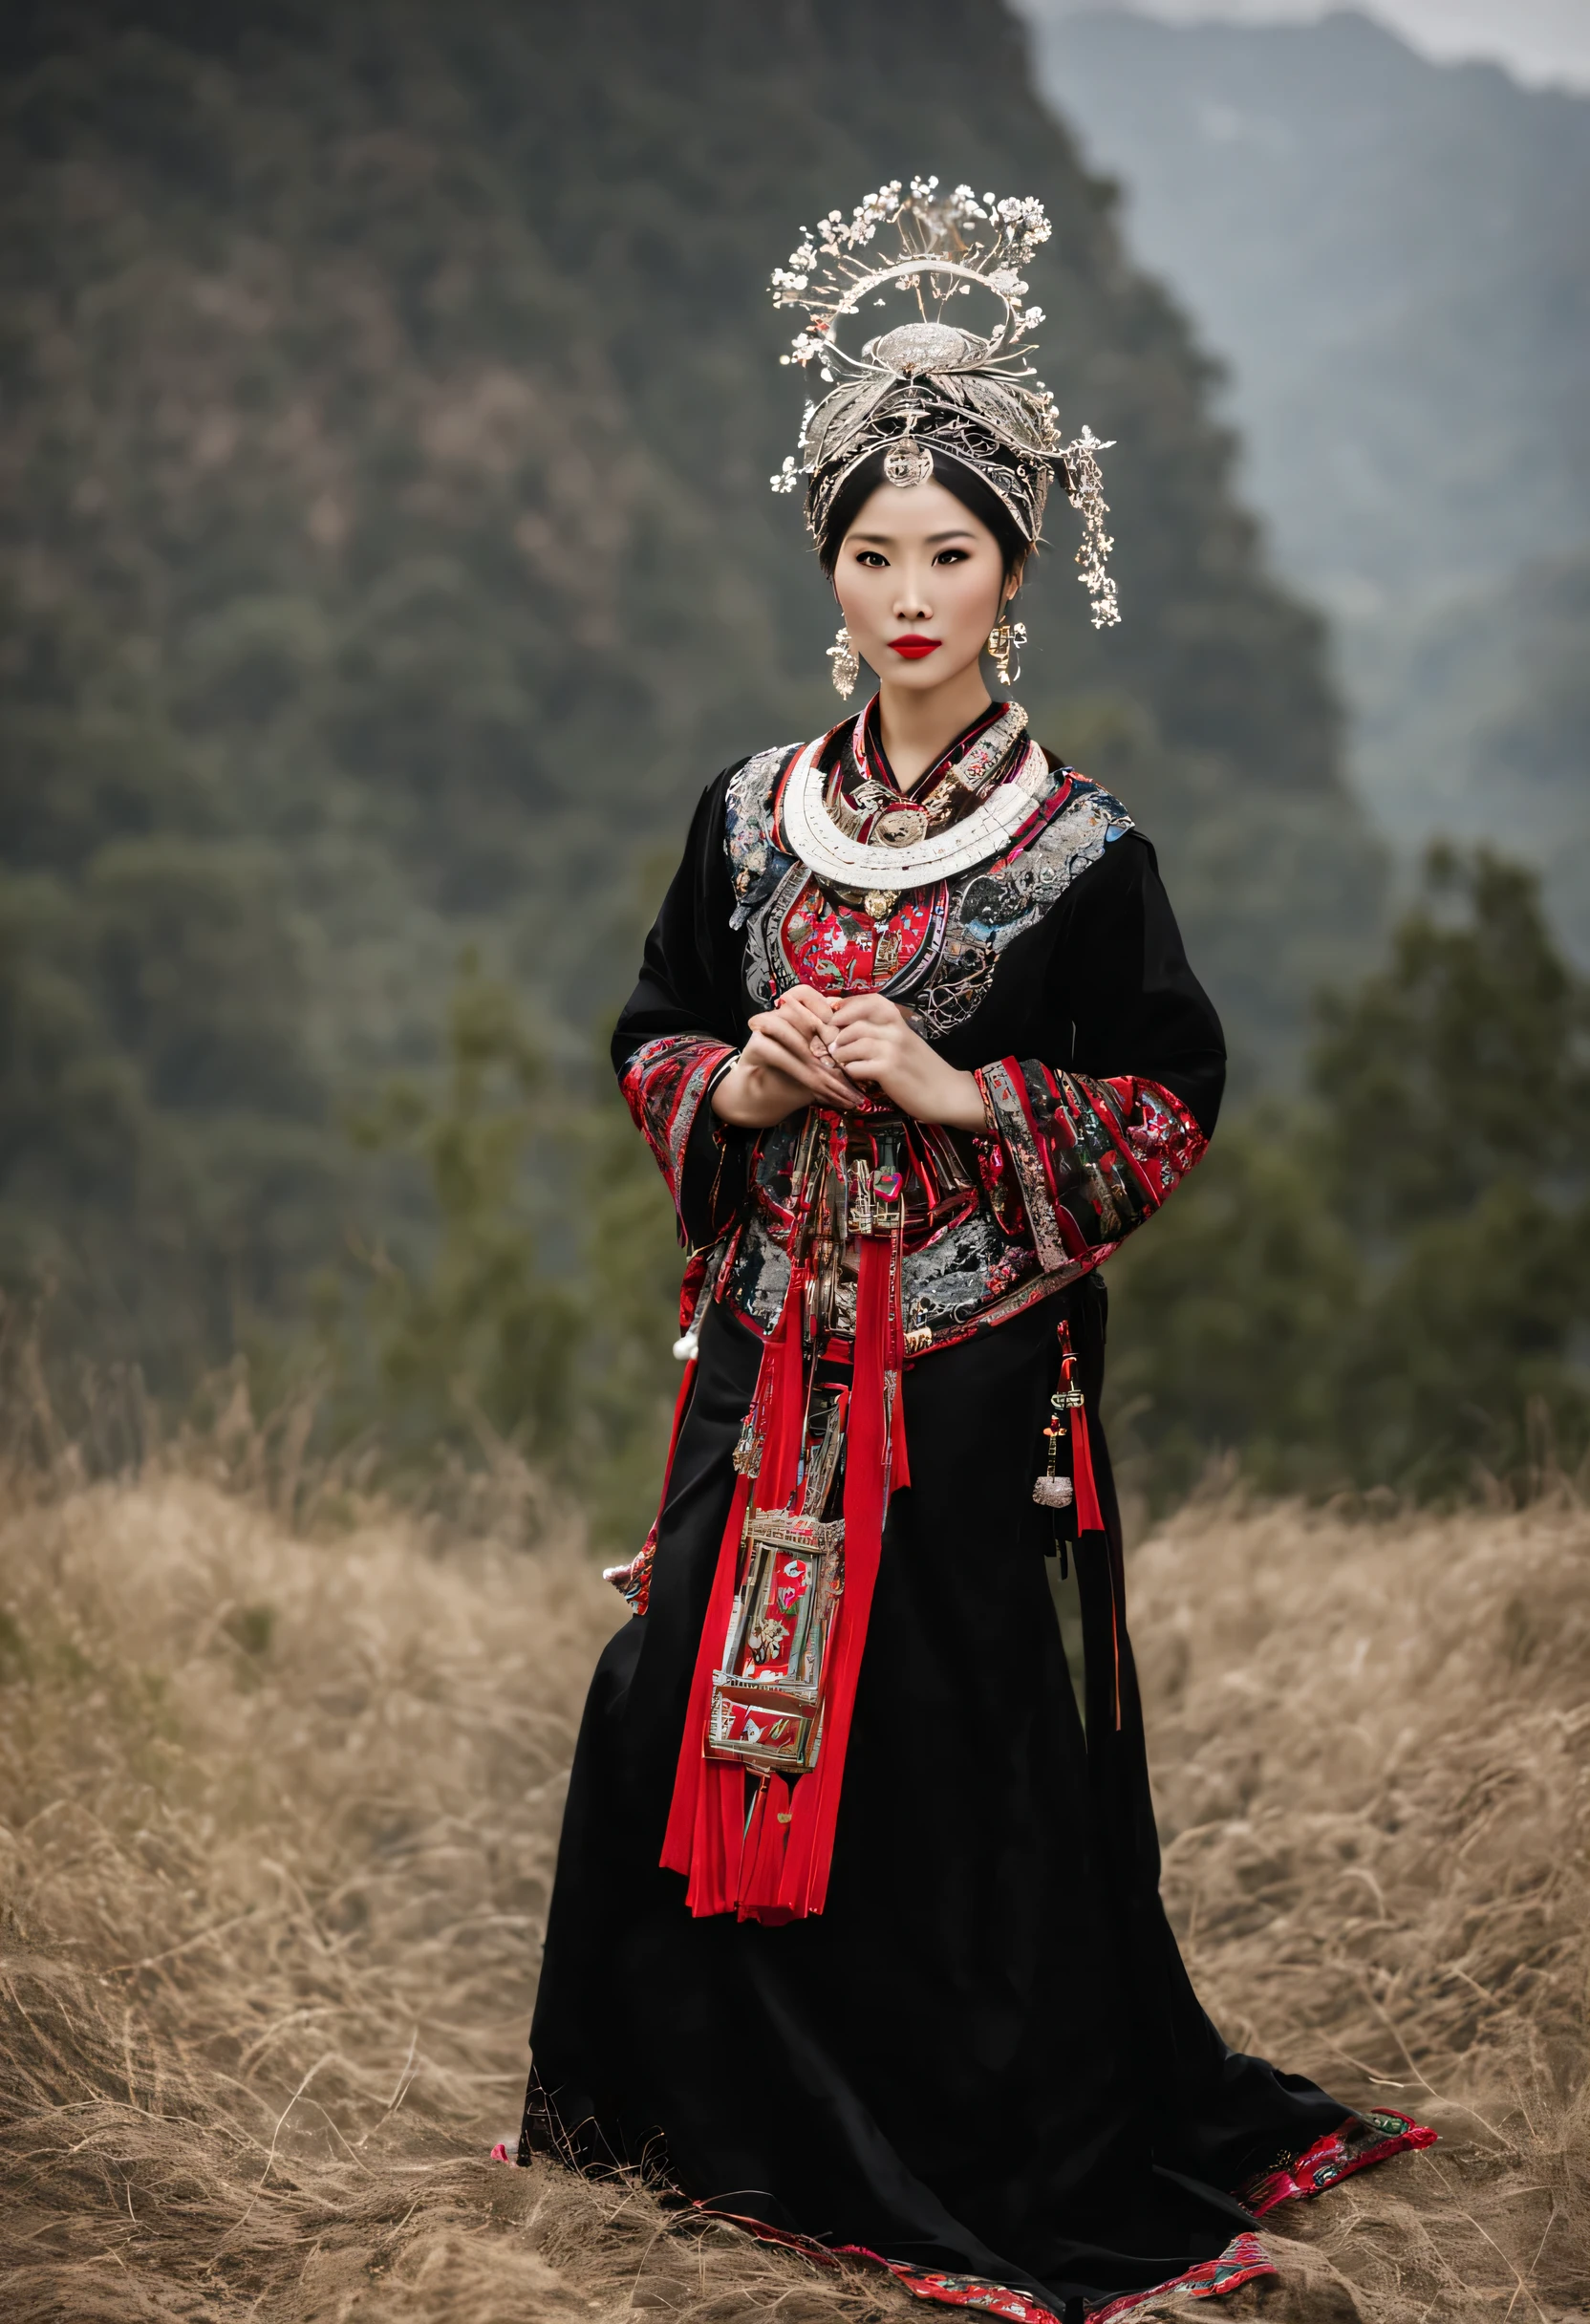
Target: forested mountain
x,y
391,395
1393,257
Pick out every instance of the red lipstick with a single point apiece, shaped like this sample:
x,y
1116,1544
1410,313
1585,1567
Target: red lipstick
x,y
914,649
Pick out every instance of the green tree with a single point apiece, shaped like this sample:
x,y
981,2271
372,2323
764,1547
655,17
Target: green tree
x,y
629,1288
1228,1313
1379,1285
537,1286
475,1329
166,1169
1462,1066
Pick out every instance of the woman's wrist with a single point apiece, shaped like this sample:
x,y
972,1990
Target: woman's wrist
x,y
962,1107
753,1097
727,1094
723,1088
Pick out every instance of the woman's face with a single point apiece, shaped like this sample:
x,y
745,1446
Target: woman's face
x,y
920,582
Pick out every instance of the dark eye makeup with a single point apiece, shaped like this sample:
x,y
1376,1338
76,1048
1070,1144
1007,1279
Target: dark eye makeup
x,y
945,557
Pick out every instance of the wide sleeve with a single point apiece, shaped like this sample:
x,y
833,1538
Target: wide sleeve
x,y
682,1027
1096,1131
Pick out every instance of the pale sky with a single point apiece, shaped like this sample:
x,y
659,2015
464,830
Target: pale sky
x,y
1540,40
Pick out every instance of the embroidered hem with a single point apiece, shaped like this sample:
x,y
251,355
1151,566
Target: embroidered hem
x,y
1334,2157
1243,2260
1379,2137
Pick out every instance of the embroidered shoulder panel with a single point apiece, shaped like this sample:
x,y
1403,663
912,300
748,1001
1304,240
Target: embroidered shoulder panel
x,y
756,862
994,903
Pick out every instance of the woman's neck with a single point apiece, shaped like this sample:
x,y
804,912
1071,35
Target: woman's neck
x,y
916,728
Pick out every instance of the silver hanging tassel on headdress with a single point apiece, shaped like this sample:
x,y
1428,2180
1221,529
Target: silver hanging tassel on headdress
x,y
1085,492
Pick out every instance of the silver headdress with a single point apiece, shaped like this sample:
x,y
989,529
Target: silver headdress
x,y
929,385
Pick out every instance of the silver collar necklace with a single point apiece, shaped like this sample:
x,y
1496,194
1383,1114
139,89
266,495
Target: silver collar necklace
x,y
812,835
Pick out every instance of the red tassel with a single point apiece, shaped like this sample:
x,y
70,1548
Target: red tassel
x,y
711,1888
679,1849
1090,1518
774,1865
786,1401
794,1902
766,1837
898,1474
706,1820
724,1791
809,1854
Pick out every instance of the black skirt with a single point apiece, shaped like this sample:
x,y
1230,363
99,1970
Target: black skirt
x,y
984,2056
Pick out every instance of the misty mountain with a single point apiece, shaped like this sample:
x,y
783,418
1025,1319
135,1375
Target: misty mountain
x,y
1393,257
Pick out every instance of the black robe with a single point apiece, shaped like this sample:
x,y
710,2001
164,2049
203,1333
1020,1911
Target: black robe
x,y
984,2056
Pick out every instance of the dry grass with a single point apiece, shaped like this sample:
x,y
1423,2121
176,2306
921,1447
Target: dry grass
x,y
1373,1747
278,1817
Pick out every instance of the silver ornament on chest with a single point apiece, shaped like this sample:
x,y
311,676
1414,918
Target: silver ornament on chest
x,y
901,827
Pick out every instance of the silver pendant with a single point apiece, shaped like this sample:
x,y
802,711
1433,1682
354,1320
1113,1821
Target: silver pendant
x,y
899,826
908,462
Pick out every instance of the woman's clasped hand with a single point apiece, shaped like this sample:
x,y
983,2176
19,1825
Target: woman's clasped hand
x,y
810,1047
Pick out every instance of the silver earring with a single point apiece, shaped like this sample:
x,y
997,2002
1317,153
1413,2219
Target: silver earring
x,y
1008,639
847,663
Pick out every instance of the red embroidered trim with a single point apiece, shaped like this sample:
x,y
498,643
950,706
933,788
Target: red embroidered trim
x,y
1243,2260
633,1581
664,1083
1006,1104
923,2284
1156,1133
960,2291
1092,1158
1378,2137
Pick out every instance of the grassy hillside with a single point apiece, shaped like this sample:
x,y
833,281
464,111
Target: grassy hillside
x,y
391,398
278,1811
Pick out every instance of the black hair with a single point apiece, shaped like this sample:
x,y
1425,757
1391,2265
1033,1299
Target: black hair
x,y
967,486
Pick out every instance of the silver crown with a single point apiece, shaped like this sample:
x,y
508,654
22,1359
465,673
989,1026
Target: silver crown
x,y
929,385
916,347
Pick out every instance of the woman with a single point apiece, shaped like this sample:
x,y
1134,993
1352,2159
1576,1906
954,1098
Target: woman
x,y
856,1933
